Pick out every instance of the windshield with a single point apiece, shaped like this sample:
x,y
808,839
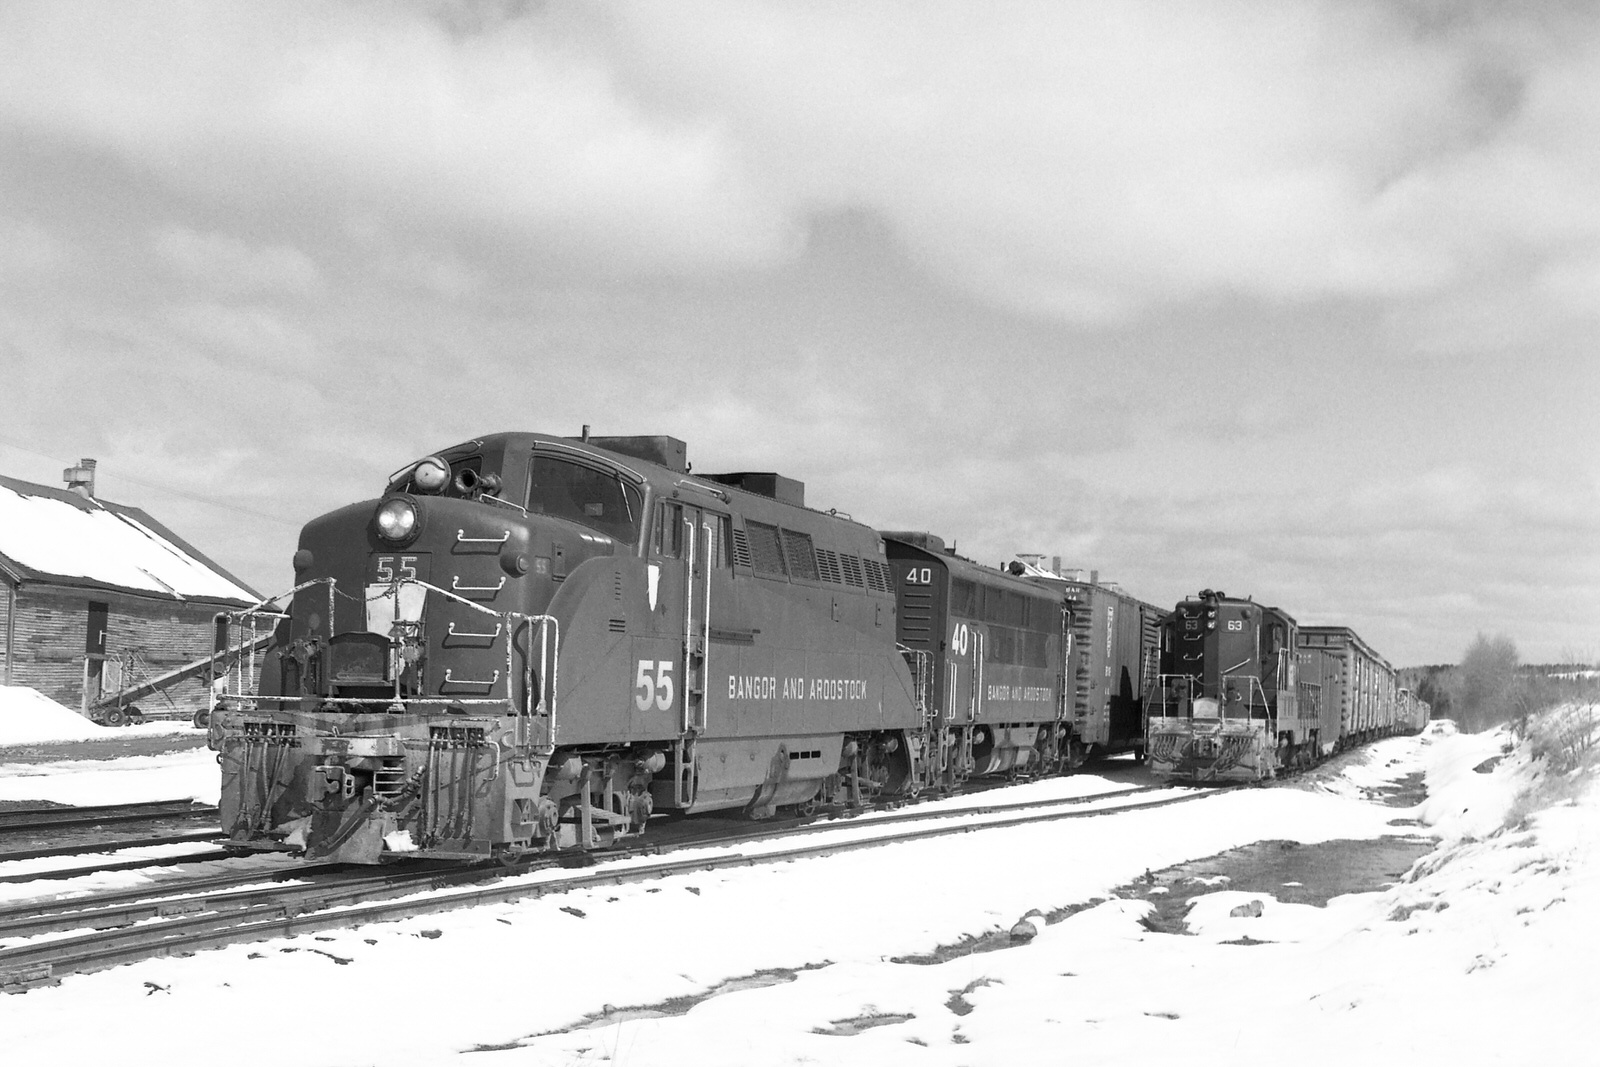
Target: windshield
x,y
589,496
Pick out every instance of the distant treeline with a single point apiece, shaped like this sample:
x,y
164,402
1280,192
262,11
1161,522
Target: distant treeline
x,y
1489,686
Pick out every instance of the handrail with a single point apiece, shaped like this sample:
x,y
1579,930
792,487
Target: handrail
x,y
541,680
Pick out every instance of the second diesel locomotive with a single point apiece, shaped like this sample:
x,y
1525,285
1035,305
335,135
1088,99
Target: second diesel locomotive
x,y
1244,692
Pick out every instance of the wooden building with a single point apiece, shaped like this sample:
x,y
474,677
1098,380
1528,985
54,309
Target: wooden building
x,y
96,597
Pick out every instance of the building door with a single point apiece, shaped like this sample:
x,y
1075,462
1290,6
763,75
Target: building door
x,y
94,653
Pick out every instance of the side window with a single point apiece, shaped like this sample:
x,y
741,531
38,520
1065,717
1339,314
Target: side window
x,y
668,537
720,550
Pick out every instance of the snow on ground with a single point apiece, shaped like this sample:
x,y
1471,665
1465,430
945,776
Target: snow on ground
x,y
128,780
29,717
1482,954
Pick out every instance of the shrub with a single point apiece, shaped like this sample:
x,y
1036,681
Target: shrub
x,y
1564,736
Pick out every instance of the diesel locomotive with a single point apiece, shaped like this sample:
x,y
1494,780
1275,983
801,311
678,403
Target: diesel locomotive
x,y
529,642
1245,692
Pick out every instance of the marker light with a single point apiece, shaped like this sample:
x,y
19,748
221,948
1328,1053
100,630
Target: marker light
x,y
397,520
430,475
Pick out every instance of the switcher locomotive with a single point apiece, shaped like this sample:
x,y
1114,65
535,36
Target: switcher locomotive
x,y
1245,692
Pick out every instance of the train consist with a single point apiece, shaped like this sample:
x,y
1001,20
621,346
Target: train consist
x,y
1245,692
529,642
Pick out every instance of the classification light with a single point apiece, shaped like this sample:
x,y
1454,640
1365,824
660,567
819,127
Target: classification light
x,y
430,475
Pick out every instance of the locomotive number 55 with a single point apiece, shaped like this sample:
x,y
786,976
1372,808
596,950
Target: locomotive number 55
x,y
654,685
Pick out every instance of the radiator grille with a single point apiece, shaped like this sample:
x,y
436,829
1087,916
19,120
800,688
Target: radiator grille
x,y
741,548
852,571
828,565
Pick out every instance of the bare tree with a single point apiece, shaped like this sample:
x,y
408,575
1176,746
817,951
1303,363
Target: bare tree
x,y
1484,681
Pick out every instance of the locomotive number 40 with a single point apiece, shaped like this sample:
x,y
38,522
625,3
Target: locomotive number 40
x,y
919,576
654,685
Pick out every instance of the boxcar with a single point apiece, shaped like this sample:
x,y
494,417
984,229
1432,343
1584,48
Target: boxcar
x,y
1112,660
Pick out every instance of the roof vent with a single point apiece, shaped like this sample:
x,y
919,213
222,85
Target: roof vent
x,y
917,539
669,452
80,479
765,483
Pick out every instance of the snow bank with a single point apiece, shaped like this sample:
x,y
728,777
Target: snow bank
x,y
29,717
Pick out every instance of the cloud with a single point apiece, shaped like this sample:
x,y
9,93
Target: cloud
x,y
232,265
1081,162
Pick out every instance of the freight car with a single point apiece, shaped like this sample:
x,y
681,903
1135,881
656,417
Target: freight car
x,y
1244,692
530,642
1414,712
1112,658
1369,706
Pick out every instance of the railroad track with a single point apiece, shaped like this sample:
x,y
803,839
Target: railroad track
x,y
46,832
34,820
175,919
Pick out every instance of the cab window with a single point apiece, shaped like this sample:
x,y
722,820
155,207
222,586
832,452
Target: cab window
x,y
585,495
668,538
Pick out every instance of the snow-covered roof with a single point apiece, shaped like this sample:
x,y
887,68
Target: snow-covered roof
x,y
54,535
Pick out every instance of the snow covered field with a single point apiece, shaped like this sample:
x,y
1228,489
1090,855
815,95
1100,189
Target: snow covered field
x,y
1483,953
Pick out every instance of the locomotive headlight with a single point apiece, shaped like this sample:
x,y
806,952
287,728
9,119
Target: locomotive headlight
x,y
430,475
397,520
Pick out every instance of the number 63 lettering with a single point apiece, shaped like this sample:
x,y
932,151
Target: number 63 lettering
x,y
654,684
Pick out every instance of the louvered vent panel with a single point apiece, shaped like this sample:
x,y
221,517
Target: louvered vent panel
x,y
802,559
766,553
828,565
877,575
741,548
852,570
618,626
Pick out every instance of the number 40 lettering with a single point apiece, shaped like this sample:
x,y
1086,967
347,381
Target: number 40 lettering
x,y
654,685
919,576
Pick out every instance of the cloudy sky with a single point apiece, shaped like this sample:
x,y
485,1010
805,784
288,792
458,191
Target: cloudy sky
x,y
1291,299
